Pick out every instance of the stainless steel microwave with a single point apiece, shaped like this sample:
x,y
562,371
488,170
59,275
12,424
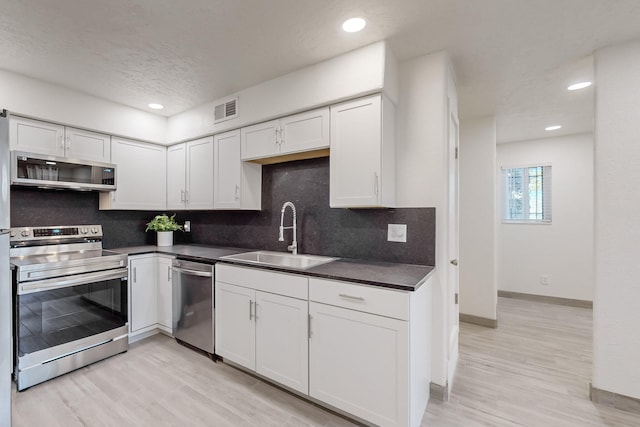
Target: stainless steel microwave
x,y
44,171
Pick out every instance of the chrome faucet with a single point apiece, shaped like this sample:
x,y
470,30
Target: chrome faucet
x,y
293,247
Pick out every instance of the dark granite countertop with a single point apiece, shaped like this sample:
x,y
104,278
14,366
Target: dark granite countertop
x,y
407,277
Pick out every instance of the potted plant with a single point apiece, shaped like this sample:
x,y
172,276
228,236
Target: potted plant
x,y
164,226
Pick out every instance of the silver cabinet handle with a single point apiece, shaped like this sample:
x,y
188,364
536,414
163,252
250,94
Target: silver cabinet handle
x,y
68,142
62,142
186,196
181,196
255,310
237,192
309,326
375,183
276,141
281,136
351,297
169,273
135,276
250,310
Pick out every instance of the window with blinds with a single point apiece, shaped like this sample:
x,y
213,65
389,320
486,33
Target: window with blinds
x,y
527,194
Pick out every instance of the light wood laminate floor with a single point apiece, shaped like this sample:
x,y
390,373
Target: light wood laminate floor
x,y
534,370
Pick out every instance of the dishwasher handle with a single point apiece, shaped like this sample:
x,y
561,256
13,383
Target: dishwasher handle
x,y
190,272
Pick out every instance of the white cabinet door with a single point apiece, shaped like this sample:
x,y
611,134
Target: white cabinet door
x,y
282,346
261,140
236,184
362,154
199,193
36,136
176,173
86,145
165,293
305,131
227,181
142,176
143,300
235,330
359,363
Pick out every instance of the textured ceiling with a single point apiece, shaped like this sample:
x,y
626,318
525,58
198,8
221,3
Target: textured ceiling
x,y
512,58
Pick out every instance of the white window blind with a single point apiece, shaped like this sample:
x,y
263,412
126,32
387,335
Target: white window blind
x,y
527,194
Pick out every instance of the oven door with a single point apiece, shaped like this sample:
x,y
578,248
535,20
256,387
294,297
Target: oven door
x,y
56,316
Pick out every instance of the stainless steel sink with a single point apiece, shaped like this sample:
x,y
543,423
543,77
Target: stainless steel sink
x,y
280,259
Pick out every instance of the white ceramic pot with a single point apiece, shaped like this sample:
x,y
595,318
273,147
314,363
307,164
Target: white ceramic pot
x,y
165,238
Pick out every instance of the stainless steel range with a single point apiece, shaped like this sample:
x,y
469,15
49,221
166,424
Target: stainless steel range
x,y
70,301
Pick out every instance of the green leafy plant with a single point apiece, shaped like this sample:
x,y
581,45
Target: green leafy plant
x,y
163,223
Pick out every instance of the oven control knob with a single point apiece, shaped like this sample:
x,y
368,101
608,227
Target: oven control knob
x,y
12,233
94,230
83,231
25,233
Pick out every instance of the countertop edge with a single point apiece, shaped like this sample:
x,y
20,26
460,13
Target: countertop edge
x,y
172,251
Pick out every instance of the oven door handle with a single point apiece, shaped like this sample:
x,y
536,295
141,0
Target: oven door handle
x,y
74,280
193,272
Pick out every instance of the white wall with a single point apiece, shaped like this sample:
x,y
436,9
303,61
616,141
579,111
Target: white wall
x,y
616,333
359,72
35,98
422,177
477,161
562,250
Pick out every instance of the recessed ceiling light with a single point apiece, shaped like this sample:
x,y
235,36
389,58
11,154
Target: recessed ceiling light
x,y
579,85
156,106
354,25
555,127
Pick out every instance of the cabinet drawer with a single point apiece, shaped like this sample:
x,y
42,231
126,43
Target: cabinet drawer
x,y
290,285
385,302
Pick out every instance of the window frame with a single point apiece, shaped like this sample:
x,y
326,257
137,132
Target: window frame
x,y
547,194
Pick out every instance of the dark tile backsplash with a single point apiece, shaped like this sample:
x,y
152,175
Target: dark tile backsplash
x,y
350,233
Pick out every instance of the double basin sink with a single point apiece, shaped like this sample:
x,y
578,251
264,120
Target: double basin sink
x,y
280,259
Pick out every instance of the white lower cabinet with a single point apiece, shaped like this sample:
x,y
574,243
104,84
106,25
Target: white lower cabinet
x,y
363,350
150,295
263,331
235,329
282,349
143,293
165,293
359,363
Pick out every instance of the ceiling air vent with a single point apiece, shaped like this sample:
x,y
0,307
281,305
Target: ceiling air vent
x,y
225,111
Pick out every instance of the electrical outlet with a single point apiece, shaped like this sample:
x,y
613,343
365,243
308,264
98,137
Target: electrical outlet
x,y
397,233
544,279
187,226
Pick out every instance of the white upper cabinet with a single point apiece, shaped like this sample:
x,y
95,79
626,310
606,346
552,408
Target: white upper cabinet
x,y
190,175
362,165
47,138
176,175
82,144
142,176
237,185
300,133
261,140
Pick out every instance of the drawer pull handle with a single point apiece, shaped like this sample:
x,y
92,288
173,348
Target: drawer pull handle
x,y
351,297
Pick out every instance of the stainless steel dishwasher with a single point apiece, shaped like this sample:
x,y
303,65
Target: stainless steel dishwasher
x,y
193,304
